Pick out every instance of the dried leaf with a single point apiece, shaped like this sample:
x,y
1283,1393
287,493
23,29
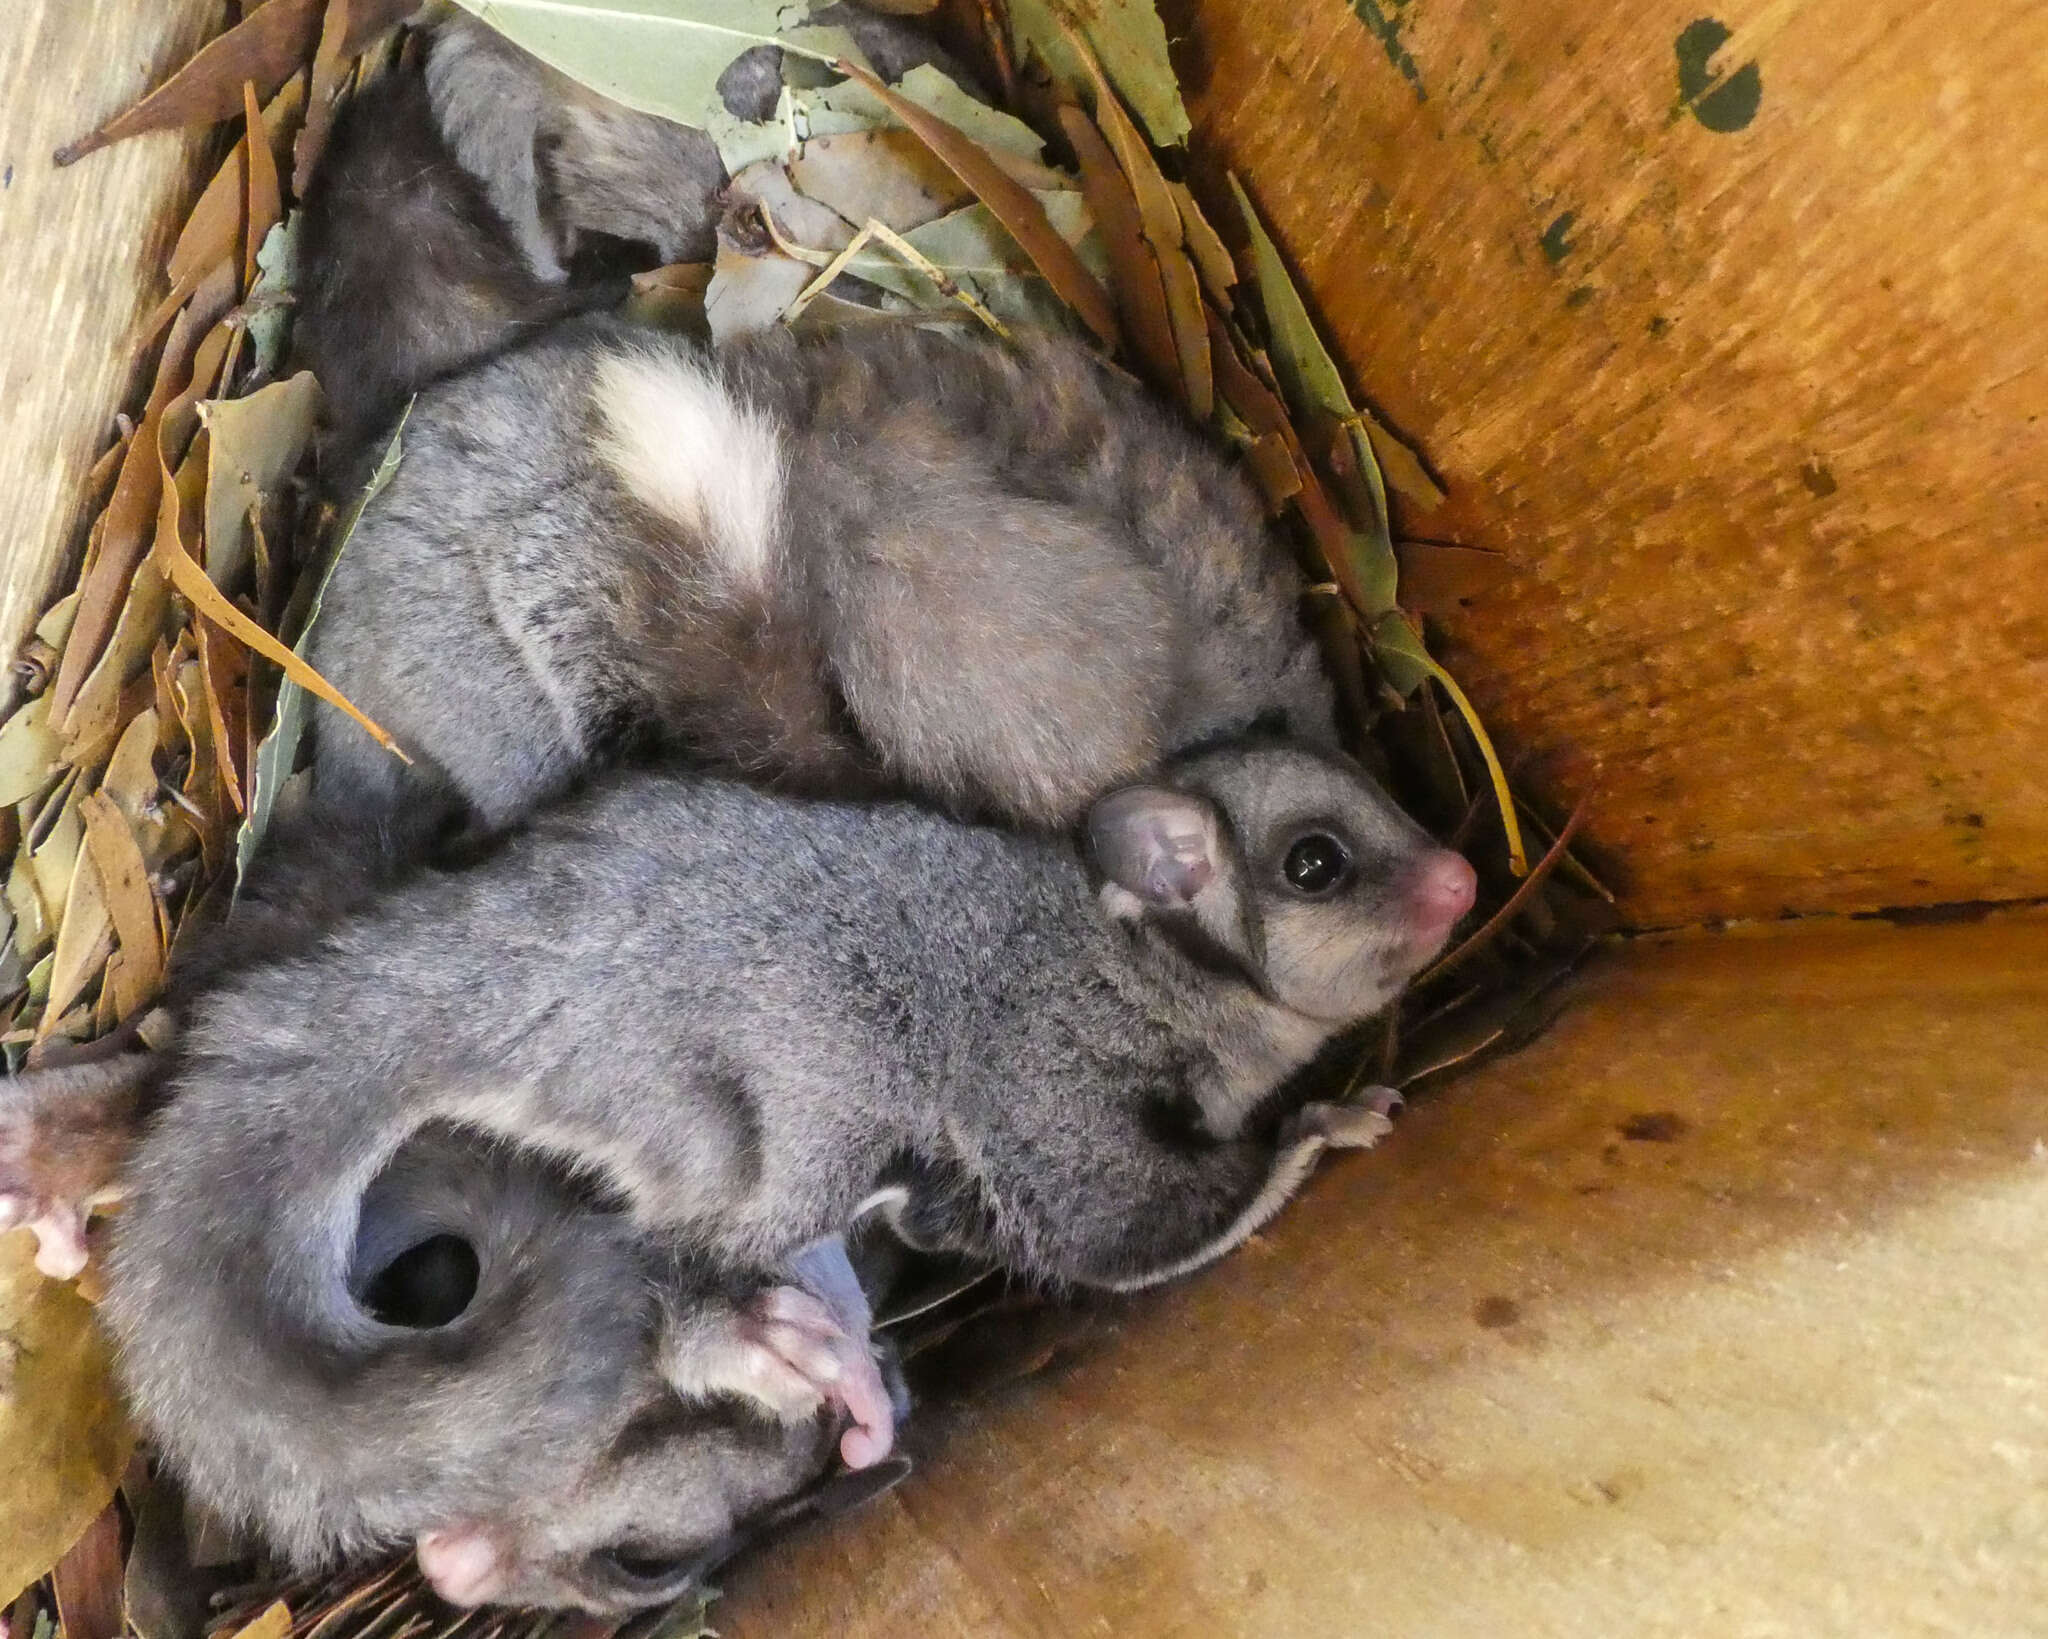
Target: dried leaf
x,y
267,47
256,444
174,558
1010,142
672,298
1159,219
64,1439
887,175
274,1623
224,675
1205,245
25,901
31,753
323,100
164,1595
1126,37
85,937
266,201
195,340
1020,211
1437,576
750,292
97,712
1140,297
213,234
1402,466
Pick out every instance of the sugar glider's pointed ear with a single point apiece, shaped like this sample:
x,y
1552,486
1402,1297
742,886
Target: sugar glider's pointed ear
x,y
1162,847
1168,857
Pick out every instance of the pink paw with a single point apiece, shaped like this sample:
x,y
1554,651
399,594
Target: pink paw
x,y
809,1354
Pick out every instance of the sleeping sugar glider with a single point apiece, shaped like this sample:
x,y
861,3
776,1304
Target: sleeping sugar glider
x,y
744,1018
469,201
997,578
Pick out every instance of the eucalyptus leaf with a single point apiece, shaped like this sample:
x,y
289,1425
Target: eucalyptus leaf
x,y
279,748
1128,40
256,444
660,56
971,247
270,297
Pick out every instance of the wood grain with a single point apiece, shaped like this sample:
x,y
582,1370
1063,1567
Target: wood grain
x,y
80,253
1762,428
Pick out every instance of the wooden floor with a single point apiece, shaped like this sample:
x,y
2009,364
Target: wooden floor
x,y
1719,1311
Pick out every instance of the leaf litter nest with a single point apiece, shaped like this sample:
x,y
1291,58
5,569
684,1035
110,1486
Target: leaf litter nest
x,y
161,700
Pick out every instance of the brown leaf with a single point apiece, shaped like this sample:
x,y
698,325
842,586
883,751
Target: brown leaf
x,y
1159,216
131,904
63,1438
175,559
886,173
1008,200
87,1581
1140,297
266,203
274,1623
323,101
267,46
1205,244
187,359
224,669
85,938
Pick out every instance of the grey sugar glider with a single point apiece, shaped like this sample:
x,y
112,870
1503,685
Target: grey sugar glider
x,y
468,201
748,1017
997,578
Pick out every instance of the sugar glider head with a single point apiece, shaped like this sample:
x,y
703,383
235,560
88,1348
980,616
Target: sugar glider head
x,y
1283,867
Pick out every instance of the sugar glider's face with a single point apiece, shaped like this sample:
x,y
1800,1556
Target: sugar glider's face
x,y
682,1487
1288,867
547,1450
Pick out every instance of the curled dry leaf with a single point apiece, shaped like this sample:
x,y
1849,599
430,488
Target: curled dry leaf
x,y
255,445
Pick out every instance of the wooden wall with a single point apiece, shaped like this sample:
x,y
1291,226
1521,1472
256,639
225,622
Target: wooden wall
x,y
1748,390
80,251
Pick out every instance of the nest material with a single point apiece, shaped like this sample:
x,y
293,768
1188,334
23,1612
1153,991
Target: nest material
x,y
161,699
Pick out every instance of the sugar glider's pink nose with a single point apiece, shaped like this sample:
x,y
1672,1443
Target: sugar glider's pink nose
x,y
463,1564
1441,889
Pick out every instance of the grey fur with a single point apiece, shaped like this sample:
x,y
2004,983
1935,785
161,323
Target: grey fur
x,y
1005,581
747,1016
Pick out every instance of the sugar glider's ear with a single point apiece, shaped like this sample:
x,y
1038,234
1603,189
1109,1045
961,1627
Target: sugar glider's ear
x,y
1162,847
1168,856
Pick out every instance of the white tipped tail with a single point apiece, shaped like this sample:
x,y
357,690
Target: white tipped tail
x,y
694,455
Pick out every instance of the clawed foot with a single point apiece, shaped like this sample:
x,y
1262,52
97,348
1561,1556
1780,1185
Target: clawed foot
x,y
1357,1125
806,1356
64,1136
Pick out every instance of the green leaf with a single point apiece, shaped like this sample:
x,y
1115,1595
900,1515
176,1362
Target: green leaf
x,y
279,749
974,249
1314,389
1128,40
270,297
659,56
255,444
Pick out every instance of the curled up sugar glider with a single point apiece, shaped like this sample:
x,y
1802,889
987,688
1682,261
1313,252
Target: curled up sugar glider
x,y
748,1019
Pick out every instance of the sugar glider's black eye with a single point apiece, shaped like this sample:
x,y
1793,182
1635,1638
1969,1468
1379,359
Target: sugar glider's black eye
x,y
1317,863
425,1286
642,1574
